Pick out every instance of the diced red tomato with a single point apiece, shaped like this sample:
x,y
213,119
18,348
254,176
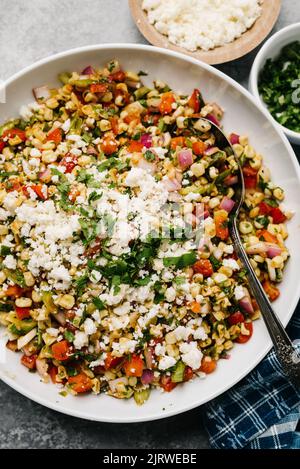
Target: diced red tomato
x,y
204,267
199,148
250,182
29,362
99,88
80,383
264,208
265,235
177,142
195,101
243,338
53,371
236,318
112,362
22,313
115,125
250,177
118,76
135,146
11,133
55,136
272,291
188,374
167,384
61,351
165,106
69,162
195,307
208,365
277,215
149,118
14,290
73,194
41,191
109,146
95,249
249,172
221,222
134,366
2,145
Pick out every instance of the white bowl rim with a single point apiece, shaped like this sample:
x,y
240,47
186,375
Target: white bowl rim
x,y
268,344
256,67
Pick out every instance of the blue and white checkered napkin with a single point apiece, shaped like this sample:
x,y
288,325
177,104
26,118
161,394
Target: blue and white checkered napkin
x,y
261,412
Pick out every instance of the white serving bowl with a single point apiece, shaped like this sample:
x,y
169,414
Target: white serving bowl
x,y
271,50
243,116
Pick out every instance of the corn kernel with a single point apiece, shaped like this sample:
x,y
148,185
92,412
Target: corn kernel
x,y
278,193
198,169
49,156
66,301
23,302
2,277
104,125
29,279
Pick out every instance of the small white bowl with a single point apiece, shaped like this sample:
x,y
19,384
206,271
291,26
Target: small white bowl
x,y
270,50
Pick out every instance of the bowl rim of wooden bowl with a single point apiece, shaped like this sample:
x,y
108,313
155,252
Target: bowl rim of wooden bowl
x,y
241,46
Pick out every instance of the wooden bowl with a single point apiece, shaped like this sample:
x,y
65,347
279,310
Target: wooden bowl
x,y
236,49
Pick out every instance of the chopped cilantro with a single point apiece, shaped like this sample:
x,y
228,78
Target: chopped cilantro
x,y
182,261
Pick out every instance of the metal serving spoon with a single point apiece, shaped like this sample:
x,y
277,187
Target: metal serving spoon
x,y
286,352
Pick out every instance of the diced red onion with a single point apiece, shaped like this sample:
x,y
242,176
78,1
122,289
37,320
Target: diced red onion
x,y
199,210
92,151
231,181
42,92
147,377
246,305
88,70
146,140
185,158
234,139
227,204
213,119
45,176
211,151
205,244
60,318
273,251
172,185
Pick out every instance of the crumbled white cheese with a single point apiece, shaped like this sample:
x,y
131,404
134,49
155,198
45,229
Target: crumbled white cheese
x,y
81,340
231,263
191,355
10,262
124,346
170,294
89,326
220,278
166,362
204,24
52,331
122,309
239,293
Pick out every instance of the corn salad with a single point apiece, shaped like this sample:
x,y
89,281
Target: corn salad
x,y
103,287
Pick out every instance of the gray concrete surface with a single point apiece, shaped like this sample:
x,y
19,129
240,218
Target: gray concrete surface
x,y
31,30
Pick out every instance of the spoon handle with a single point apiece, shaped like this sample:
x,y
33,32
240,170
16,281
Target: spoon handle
x,y
284,348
